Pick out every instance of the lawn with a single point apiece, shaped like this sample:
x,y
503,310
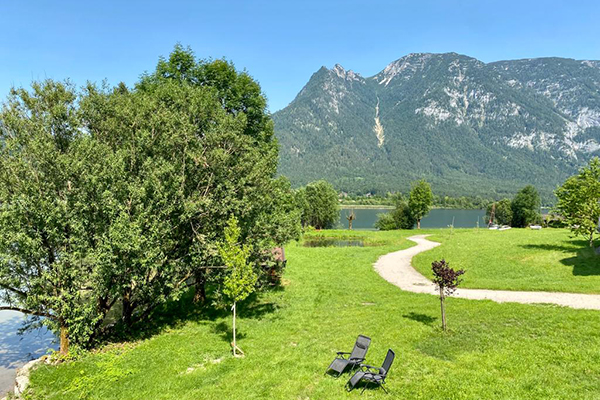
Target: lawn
x,y
330,295
517,259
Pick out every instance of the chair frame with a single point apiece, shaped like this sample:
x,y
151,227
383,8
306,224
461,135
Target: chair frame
x,y
374,375
354,362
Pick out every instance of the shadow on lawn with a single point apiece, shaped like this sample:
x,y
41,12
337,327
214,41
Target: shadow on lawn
x,y
585,262
422,318
177,313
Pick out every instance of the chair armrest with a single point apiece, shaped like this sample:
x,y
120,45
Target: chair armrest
x,y
368,367
357,359
342,352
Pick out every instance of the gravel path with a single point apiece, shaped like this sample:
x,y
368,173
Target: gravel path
x,y
396,268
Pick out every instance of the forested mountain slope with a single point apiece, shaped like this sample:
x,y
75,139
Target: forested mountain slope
x,y
468,127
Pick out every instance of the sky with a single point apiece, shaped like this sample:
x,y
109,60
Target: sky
x,y
280,43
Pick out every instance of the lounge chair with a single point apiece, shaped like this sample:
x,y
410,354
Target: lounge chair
x,y
372,375
351,360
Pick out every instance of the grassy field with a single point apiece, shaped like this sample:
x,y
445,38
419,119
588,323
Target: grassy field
x,y
330,295
517,259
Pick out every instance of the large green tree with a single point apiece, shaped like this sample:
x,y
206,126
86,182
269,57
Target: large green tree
x,y
320,204
526,207
579,201
420,200
113,202
52,178
264,205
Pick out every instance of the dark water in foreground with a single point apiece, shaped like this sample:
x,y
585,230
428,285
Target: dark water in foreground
x,y
437,218
16,350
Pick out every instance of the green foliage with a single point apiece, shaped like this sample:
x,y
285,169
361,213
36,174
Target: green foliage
x,y
420,200
503,214
51,174
113,200
319,204
526,207
400,218
579,201
240,281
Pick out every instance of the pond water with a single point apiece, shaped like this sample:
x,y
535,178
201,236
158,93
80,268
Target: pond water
x,y
16,350
437,218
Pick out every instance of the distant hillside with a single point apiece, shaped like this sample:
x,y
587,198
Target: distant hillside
x,y
468,127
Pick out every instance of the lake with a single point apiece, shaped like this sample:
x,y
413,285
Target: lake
x,y
437,218
16,350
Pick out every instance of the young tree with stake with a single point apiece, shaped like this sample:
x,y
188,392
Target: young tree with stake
x,y
446,280
241,280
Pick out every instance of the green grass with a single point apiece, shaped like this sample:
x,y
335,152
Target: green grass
x,y
517,259
507,351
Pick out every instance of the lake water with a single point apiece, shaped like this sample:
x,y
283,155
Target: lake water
x,y
16,350
437,218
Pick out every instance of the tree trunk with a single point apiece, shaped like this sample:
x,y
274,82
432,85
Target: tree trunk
x,y
127,309
200,294
350,224
419,223
64,339
592,240
234,342
443,309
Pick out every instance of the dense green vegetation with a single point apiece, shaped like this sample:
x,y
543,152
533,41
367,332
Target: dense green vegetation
x,y
319,205
113,200
517,259
329,296
408,212
579,201
523,210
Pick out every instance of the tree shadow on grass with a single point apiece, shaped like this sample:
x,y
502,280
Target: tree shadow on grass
x,y
422,318
175,314
585,262
225,331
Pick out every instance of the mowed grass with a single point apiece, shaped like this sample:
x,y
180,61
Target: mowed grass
x,y
517,259
506,351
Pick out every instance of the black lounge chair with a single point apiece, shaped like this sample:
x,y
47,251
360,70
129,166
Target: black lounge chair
x,y
372,375
352,360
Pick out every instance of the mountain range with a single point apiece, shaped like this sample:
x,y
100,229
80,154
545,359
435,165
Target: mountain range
x,y
468,127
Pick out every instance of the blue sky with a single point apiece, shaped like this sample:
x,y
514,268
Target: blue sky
x,y
281,43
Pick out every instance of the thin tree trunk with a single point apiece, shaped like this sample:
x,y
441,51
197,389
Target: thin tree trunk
x,y
127,309
592,240
234,342
64,339
200,294
419,223
443,310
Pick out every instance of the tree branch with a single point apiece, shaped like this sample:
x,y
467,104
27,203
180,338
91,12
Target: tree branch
x,y
25,311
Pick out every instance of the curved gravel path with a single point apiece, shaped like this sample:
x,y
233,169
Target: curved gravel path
x,y
396,268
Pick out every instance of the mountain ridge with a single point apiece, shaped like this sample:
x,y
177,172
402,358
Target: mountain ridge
x,y
465,125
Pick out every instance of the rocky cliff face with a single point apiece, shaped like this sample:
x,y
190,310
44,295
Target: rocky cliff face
x,y
469,127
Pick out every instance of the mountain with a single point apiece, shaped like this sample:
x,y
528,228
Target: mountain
x,y
468,127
